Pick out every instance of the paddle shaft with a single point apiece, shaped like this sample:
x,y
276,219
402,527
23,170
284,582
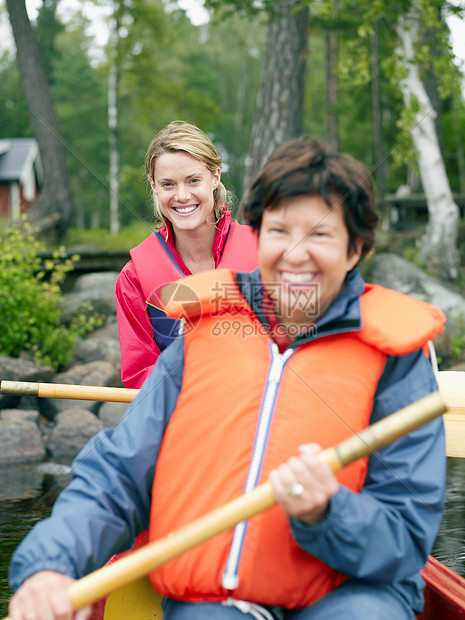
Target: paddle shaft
x,y
451,385
139,563
74,392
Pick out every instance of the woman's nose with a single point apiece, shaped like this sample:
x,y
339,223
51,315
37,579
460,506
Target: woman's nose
x,y
297,251
182,193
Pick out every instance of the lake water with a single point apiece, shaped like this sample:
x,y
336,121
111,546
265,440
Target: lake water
x,y
27,493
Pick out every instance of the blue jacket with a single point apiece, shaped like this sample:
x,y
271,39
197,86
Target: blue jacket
x,y
383,534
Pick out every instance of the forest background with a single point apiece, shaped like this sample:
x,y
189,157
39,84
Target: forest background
x,y
167,67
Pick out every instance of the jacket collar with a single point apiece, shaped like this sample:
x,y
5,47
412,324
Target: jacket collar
x,y
342,316
222,231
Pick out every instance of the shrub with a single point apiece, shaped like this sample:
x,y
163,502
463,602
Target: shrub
x,y
30,300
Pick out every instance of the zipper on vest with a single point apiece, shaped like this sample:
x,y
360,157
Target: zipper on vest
x,y
276,369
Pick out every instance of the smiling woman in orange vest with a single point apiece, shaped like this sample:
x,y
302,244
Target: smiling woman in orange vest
x,y
271,367
194,233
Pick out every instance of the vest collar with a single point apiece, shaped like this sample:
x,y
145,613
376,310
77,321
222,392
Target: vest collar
x,y
342,316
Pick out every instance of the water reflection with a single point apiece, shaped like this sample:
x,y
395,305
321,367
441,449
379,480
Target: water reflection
x,y
450,543
27,494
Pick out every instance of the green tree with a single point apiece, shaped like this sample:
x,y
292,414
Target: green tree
x,y
171,69
54,207
224,63
14,116
79,95
419,49
279,111
79,92
47,28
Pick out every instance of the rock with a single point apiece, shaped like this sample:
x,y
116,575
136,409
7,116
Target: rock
x,y
20,437
99,373
57,476
14,369
102,344
54,469
37,423
93,289
73,430
111,413
460,366
20,481
108,331
396,273
102,283
91,350
43,405
20,415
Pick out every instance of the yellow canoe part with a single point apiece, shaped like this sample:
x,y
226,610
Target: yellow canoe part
x,y
136,601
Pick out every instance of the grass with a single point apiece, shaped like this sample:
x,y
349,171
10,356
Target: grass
x,y
128,237
101,238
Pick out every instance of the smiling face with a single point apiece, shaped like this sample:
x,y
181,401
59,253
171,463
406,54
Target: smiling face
x,y
304,259
184,189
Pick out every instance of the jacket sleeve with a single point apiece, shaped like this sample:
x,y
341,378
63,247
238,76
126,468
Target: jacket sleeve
x,y
385,532
108,500
139,351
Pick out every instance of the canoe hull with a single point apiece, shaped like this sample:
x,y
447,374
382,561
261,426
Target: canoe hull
x,y
137,601
444,594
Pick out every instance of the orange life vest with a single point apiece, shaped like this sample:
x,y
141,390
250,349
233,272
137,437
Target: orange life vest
x,y
156,266
227,432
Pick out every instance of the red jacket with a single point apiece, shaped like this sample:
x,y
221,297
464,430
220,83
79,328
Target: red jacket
x,y
144,330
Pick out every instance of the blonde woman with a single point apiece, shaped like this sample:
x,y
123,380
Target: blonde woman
x,y
194,233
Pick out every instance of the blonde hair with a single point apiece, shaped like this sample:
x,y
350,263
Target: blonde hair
x,y
183,136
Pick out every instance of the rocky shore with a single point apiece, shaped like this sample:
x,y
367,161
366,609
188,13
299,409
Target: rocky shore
x,y
34,429
52,431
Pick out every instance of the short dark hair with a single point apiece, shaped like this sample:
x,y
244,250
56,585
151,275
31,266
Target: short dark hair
x,y
307,166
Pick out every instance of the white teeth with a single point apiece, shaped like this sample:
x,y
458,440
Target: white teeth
x,y
185,209
297,278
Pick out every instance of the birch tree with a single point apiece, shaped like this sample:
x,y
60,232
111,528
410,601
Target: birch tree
x,y
438,250
380,171
113,81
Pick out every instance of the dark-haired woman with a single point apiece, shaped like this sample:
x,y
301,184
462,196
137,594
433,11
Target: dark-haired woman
x,y
277,364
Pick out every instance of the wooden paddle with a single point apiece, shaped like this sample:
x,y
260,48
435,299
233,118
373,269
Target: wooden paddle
x,y
63,390
139,563
451,385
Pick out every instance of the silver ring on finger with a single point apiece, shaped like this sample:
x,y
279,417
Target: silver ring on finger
x,y
295,490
